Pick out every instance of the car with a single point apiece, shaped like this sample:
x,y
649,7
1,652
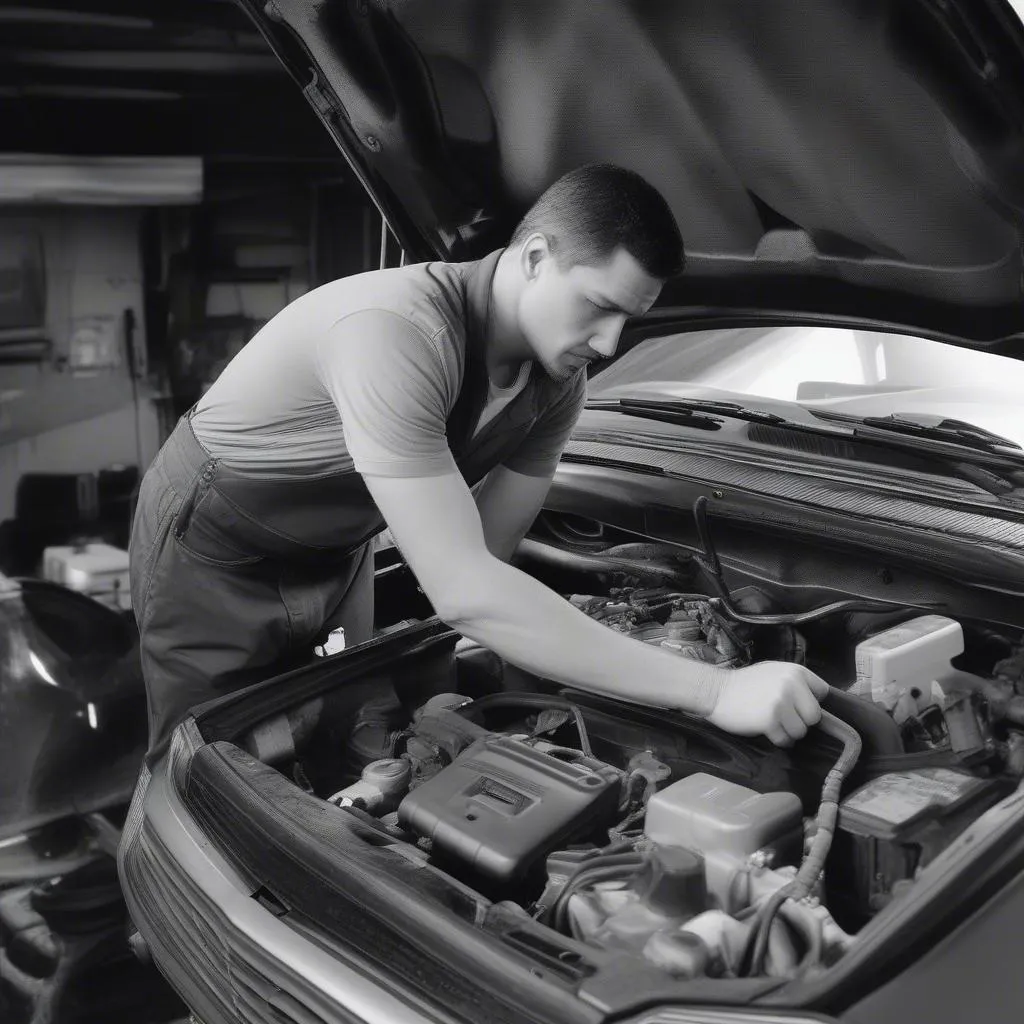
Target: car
x,y
72,737
72,711
809,450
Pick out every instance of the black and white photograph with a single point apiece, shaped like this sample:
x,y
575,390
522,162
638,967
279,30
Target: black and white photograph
x,y
511,511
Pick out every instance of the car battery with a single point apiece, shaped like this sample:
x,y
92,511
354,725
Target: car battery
x,y
99,570
893,826
501,806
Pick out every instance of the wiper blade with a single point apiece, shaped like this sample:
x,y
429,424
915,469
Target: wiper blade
x,y
950,431
957,431
982,458
683,410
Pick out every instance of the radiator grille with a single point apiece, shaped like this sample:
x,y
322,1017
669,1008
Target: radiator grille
x,y
214,975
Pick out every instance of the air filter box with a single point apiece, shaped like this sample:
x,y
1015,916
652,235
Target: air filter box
x,y
503,805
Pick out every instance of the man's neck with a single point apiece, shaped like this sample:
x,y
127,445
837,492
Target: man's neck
x,y
506,348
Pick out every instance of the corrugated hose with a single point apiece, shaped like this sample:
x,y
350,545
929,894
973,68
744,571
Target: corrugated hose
x,y
813,863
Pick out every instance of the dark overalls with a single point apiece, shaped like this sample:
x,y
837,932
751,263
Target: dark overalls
x,y
236,576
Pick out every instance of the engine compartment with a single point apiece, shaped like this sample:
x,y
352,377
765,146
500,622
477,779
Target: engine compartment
x,y
649,832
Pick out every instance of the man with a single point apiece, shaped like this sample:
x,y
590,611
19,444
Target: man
x,y
381,399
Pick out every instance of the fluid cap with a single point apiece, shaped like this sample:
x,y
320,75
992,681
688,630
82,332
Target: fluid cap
x,y
671,882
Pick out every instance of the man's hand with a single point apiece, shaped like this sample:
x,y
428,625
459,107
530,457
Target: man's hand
x,y
774,698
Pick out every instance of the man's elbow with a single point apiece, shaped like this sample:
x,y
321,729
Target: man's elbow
x,y
461,598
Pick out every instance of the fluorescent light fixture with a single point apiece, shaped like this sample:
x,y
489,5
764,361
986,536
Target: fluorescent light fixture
x,y
100,180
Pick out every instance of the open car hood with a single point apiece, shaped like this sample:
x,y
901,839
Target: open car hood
x,y
850,159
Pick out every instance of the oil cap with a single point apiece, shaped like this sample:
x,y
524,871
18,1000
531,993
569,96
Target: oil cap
x,y
671,882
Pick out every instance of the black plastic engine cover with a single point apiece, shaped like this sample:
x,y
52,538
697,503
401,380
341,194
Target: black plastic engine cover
x,y
502,805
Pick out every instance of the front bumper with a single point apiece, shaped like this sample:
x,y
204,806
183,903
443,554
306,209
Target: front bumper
x,y
230,958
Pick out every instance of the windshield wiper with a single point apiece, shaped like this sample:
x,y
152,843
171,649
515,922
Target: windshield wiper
x,y
933,428
685,410
982,459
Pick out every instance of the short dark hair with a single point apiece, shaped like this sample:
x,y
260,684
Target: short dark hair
x,y
589,212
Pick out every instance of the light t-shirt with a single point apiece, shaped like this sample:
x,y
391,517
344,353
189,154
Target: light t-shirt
x,y
498,398
361,374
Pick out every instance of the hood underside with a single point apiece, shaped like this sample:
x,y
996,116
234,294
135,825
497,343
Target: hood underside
x,y
851,158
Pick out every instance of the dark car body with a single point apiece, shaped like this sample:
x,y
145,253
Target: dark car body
x,y
833,167
72,706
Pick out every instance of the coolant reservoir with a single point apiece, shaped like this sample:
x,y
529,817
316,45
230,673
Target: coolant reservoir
x,y
725,823
898,668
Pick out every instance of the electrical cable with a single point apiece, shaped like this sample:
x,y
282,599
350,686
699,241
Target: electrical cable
x,y
603,868
712,567
532,700
814,861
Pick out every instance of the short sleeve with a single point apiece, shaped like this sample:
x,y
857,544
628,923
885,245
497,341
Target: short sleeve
x,y
392,390
541,449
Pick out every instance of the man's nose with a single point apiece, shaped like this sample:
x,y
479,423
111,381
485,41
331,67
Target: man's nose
x,y
606,341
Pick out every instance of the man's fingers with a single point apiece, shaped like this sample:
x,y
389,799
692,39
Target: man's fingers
x,y
779,736
806,706
818,685
792,723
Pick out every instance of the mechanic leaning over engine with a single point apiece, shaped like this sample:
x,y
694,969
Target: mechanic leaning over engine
x,y
380,400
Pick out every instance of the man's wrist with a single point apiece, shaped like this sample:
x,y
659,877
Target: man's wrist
x,y
702,688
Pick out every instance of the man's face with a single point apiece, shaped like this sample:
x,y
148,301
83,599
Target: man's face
x,y
572,317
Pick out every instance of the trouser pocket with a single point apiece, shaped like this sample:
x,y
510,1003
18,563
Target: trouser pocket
x,y
203,527
156,509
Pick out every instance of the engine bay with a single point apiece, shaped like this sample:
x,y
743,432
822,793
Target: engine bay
x,y
649,832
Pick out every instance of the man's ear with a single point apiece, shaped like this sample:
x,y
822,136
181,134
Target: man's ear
x,y
535,250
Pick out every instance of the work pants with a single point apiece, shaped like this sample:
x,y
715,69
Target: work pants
x,y
216,614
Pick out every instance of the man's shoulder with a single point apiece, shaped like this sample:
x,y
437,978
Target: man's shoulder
x,y
431,296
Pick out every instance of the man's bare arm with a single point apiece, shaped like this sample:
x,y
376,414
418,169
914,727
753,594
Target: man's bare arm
x,y
508,503
438,528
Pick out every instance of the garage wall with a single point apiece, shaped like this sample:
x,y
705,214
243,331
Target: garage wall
x,y
75,412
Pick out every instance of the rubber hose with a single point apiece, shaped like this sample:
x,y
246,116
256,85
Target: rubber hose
x,y
600,869
552,555
709,561
809,928
828,813
646,549
812,614
536,701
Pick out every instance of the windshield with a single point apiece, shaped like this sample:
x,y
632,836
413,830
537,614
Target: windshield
x,y
855,372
